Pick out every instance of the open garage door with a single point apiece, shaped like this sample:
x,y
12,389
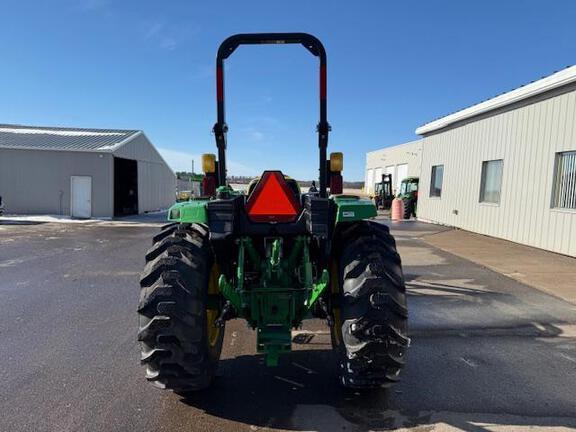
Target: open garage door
x,y
401,174
125,187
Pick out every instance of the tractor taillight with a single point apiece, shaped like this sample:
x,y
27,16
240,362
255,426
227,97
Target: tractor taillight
x,y
272,200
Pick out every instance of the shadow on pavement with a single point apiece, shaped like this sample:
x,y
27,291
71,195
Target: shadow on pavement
x,y
464,380
159,217
486,352
19,222
250,393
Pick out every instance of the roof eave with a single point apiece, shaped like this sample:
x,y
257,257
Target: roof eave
x,y
554,81
108,149
55,149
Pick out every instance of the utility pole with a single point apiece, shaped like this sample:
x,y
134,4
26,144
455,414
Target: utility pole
x,y
191,174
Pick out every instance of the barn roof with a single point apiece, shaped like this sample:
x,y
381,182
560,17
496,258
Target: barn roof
x,y
61,138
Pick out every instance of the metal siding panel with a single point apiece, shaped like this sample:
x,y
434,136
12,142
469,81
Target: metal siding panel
x,y
564,142
542,179
532,173
556,145
509,179
552,241
409,153
527,139
156,186
38,181
523,192
139,148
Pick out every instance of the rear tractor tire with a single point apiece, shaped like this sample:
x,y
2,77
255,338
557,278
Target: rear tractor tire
x,y
180,342
408,208
370,313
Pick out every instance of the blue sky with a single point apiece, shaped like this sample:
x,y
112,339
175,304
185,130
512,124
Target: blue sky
x,y
392,66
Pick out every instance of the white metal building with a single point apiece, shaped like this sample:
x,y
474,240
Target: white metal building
x,y
82,172
401,161
506,167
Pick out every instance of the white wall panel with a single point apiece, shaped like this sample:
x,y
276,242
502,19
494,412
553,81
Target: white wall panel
x,y
38,181
387,160
527,138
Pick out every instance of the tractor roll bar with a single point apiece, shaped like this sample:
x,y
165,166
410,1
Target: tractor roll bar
x,y
312,44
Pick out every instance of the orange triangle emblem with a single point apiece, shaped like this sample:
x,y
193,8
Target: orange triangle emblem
x,y
272,200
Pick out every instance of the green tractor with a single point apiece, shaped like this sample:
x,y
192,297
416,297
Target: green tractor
x,y
409,194
272,257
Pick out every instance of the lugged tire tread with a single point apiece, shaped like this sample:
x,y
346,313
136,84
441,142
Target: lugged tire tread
x,y
172,309
408,207
373,307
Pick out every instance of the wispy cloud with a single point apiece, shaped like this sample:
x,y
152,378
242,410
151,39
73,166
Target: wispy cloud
x,y
182,161
153,29
256,135
165,36
168,43
204,71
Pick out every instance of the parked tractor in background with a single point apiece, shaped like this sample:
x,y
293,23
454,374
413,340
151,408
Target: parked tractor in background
x,y
272,257
408,193
194,184
383,195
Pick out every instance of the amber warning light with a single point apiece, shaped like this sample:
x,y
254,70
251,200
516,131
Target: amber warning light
x,y
272,200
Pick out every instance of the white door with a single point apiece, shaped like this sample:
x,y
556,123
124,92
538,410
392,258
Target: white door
x,y
401,174
369,184
377,176
81,196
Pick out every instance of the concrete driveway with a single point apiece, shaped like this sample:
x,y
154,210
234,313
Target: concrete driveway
x,y
488,353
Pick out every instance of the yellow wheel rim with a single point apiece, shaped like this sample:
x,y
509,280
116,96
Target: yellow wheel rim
x,y
335,289
213,331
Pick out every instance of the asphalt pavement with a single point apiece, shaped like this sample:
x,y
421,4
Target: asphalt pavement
x,y
488,353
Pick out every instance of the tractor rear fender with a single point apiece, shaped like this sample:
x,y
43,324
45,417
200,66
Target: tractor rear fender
x,y
193,211
348,208
351,208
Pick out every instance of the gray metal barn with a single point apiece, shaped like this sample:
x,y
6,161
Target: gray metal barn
x,y
82,172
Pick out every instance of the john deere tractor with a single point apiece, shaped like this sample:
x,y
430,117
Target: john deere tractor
x,y
273,257
409,194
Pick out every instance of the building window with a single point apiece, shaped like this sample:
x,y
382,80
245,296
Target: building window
x,y
491,181
436,180
565,181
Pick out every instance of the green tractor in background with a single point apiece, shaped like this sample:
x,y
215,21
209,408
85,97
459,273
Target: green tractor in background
x,y
273,257
409,194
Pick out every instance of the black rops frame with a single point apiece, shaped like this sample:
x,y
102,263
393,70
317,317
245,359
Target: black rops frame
x,y
227,47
